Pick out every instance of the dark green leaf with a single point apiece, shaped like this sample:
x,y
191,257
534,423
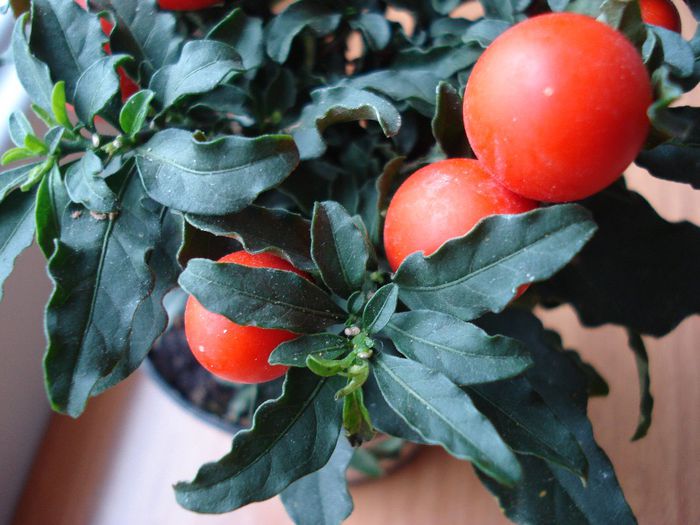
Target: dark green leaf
x,y
624,275
86,185
294,352
527,424
383,417
217,177
33,74
303,423
380,308
203,65
263,229
375,29
448,123
485,31
67,38
150,318
460,350
559,381
677,53
338,248
646,401
675,162
144,32
16,229
11,179
260,296
244,34
314,14
98,266
322,497
482,271
444,415
133,114
19,127
626,17
341,104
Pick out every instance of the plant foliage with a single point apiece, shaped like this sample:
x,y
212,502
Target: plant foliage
x,y
253,127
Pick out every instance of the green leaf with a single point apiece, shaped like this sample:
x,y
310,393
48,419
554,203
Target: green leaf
x,y
144,32
482,271
51,202
96,87
338,248
527,424
244,34
375,29
16,229
444,415
261,229
35,144
461,351
295,352
67,38
133,114
86,184
16,154
646,400
203,65
151,318
380,308
558,380
58,105
607,283
322,497
33,73
356,420
312,14
304,422
37,173
11,179
341,104
99,265
260,296
217,177
448,123
19,127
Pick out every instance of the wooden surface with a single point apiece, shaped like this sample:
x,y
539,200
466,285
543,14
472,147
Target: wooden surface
x,y
115,465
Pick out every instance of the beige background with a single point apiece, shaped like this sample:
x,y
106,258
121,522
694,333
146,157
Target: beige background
x,y
115,465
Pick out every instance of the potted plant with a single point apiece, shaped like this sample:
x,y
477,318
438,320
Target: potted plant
x,y
369,211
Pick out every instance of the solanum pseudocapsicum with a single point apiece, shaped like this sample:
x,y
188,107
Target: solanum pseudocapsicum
x,y
127,86
229,350
442,201
661,13
556,107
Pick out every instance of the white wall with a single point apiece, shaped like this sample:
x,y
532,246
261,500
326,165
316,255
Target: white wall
x,y
24,410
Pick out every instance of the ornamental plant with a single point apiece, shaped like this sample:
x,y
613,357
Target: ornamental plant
x,y
248,126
